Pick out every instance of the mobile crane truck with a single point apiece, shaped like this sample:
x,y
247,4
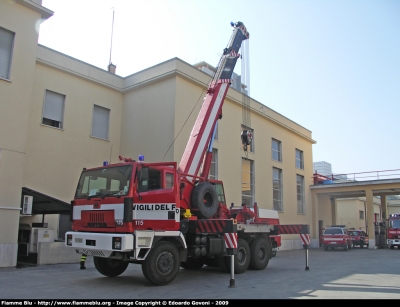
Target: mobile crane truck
x,y
165,216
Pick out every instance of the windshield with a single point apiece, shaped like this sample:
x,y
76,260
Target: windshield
x,y
394,223
104,182
333,231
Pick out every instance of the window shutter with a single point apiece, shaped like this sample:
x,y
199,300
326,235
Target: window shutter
x,y
6,46
53,106
100,122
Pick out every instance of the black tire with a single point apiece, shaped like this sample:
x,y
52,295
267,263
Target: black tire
x,y
162,264
326,247
223,263
346,247
391,246
109,267
211,262
260,253
205,199
193,263
242,258
361,245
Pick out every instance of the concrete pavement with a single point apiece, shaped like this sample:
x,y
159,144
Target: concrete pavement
x,y
354,274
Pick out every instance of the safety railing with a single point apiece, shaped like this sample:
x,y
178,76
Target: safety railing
x,y
352,177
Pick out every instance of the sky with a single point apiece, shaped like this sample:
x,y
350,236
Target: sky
x,y
331,66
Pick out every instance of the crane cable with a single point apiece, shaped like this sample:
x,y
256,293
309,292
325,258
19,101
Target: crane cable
x,y
211,80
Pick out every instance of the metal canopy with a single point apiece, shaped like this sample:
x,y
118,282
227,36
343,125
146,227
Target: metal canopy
x,y
357,188
45,204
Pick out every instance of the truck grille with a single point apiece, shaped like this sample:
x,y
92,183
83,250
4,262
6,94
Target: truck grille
x,y
98,219
90,252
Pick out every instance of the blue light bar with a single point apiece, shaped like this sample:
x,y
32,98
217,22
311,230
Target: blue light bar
x,y
141,158
105,163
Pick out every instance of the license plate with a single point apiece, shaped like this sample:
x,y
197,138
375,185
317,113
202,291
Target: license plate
x,y
46,235
333,242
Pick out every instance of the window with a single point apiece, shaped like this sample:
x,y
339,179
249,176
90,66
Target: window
x,y
6,48
300,194
220,191
333,231
216,131
299,159
361,215
169,180
250,137
149,179
277,189
214,165
247,182
101,118
276,150
53,109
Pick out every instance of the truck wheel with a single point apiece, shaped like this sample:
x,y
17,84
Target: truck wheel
x,y
326,247
223,263
361,245
260,253
109,267
205,199
242,258
212,262
162,264
346,247
193,263
391,246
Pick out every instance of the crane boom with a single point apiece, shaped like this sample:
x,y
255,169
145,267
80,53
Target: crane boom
x,y
211,109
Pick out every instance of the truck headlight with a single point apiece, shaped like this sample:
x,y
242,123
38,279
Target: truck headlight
x,y
116,243
69,239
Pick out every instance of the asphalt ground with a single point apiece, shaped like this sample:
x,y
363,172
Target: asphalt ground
x,y
354,274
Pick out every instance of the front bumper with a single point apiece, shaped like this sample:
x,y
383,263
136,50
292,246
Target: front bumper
x,y
395,242
359,242
99,244
335,245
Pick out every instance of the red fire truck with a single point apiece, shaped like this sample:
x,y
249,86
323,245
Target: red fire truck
x,y
393,231
165,215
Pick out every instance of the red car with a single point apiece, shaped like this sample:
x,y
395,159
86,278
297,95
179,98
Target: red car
x,y
359,237
336,236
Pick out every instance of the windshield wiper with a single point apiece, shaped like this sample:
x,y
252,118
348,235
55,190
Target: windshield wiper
x,y
110,194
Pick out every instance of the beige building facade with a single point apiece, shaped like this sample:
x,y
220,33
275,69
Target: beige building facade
x,y
352,212
393,204
59,115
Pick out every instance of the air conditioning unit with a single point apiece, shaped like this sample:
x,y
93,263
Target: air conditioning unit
x,y
27,204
